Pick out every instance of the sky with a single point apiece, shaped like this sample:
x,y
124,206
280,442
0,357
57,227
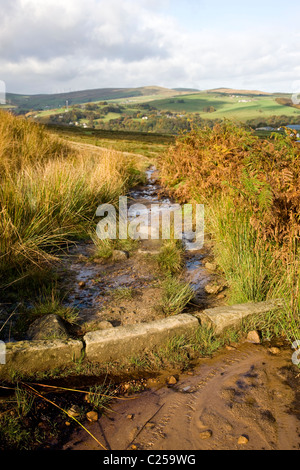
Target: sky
x,y
56,46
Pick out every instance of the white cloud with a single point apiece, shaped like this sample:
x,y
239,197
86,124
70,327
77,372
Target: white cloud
x,y
54,45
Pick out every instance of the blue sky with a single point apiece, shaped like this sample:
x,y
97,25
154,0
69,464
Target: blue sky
x,y
230,14
55,46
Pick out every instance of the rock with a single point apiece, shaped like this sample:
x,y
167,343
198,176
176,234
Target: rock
x,y
243,440
253,337
172,380
92,416
101,325
205,435
274,351
214,289
74,411
119,255
47,327
81,284
211,266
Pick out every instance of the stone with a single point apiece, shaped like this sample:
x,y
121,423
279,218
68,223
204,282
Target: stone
x,y
214,289
274,351
243,440
228,316
205,435
47,327
211,266
253,337
74,411
172,380
92,416
119,255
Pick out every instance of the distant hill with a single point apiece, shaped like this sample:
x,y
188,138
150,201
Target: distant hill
x,y
232,91
51,101
188,90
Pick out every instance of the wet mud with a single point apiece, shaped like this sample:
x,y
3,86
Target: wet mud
x,y
243,399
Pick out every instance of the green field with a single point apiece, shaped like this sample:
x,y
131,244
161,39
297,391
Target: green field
x,y
226,106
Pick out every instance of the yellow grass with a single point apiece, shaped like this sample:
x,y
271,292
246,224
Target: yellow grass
x,y
50,191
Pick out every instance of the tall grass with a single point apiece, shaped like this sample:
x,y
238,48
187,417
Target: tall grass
x,y
50,191
248,263
251,191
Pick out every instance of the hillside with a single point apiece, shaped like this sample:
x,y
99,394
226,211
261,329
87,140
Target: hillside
x,y
231,105
51,101
232,91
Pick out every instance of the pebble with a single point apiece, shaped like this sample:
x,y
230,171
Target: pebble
x,y
243,440
119,255
172,380
221,296
74,411
205,435
253,337
92,416
211,266
274,351
214,288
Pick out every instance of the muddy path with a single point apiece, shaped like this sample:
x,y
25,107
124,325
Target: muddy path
x,y
127,290
243,393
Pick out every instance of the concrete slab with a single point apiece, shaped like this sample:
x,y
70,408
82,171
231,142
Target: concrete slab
x,y
220,318
124,342
27,357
